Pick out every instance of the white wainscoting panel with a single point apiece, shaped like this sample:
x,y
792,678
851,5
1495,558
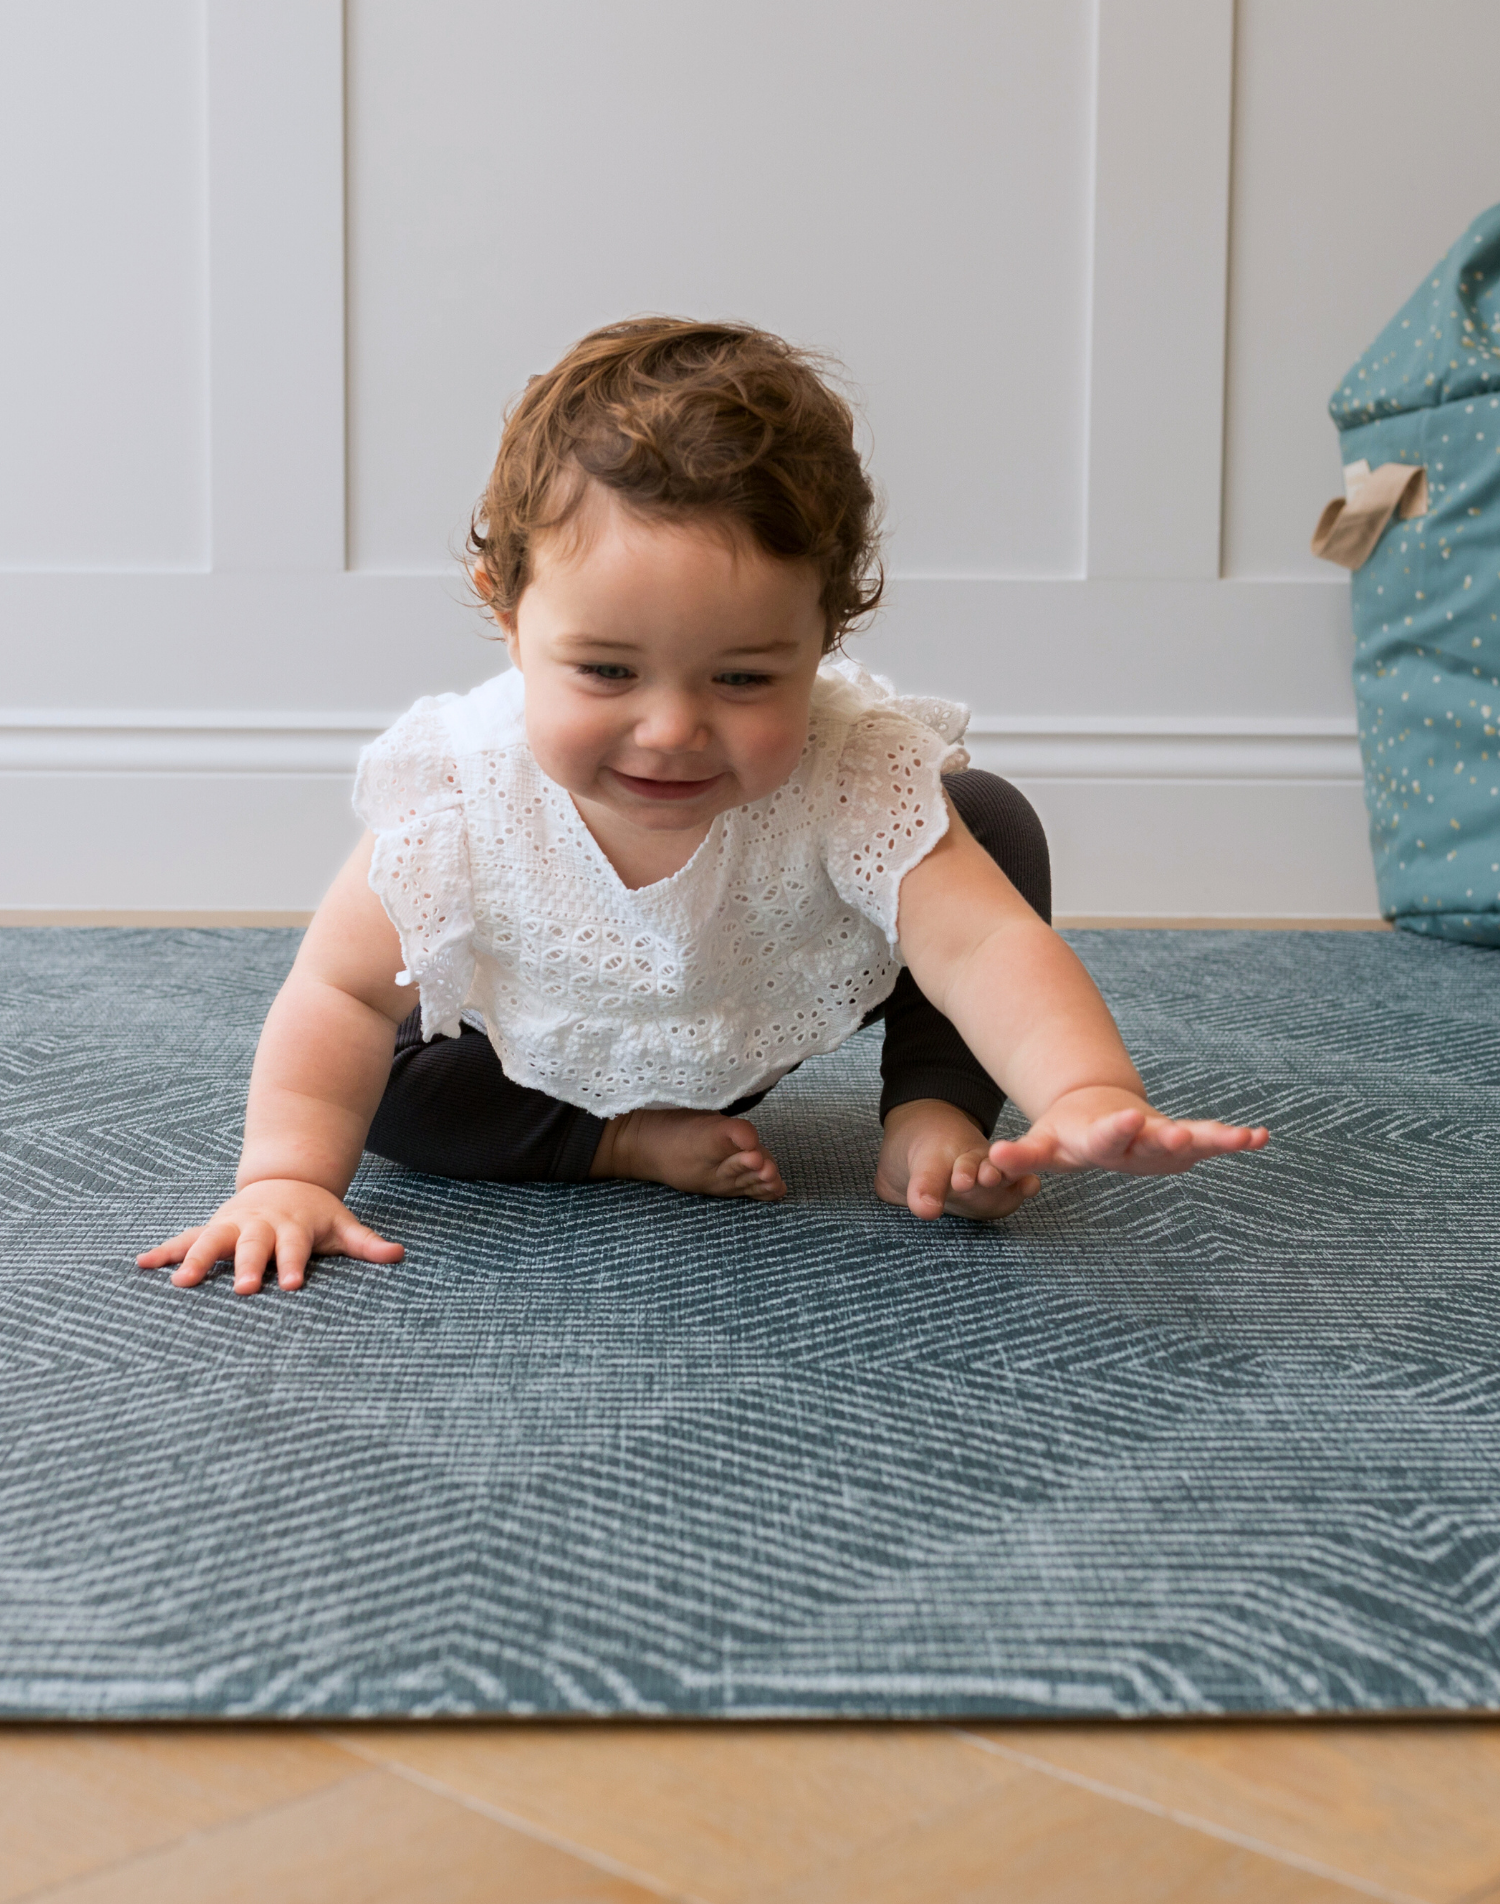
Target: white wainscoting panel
x,y
277,266
276,283
905,186
255,641
1172,649
103,366
129,841
1156,333
1213,848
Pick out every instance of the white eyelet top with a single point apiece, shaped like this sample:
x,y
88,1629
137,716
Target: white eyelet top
x,y
770,944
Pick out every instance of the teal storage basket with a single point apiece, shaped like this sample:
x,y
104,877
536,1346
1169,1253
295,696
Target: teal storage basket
x,y
1426,599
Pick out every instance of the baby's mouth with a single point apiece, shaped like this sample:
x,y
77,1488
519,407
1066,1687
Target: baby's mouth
x,y
665,789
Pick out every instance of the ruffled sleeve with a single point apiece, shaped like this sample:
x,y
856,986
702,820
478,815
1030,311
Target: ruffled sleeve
x,y
407,791
886,809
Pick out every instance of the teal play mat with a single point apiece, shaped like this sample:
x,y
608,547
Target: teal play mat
x,y
1218,1443
1427,601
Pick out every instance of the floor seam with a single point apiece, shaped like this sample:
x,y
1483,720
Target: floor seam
x,y
1191,1822
197,1835
601,1860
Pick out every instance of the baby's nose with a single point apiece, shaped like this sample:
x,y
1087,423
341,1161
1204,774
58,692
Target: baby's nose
x,y
672,723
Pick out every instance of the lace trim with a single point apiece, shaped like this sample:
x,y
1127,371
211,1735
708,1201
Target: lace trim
x,y
407,789
889,812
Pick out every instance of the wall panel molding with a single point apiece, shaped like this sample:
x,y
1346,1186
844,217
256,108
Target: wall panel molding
x,y
255,640
1164,102
231,741
185,739
276,283
182,741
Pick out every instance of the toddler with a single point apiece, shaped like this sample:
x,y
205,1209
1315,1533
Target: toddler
x,y
675,850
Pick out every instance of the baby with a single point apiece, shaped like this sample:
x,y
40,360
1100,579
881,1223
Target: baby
x,y
674,851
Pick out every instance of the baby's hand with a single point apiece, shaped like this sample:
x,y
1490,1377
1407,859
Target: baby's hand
x,y
281,1219
1108,1129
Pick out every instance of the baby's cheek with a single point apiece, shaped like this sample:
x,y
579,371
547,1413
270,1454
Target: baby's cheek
x,y
568,750
768,750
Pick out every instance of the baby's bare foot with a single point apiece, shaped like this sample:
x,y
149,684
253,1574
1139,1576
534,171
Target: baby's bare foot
x,y
936,1161
701,1151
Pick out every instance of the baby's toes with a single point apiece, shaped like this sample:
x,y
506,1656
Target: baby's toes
x,y
749,1173
988,1204
927,1192
767,1177
967,1169
740,1136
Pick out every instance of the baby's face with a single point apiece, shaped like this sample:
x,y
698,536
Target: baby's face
x,y
669,667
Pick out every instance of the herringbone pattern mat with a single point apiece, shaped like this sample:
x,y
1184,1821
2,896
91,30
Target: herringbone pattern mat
x,y
1228,1442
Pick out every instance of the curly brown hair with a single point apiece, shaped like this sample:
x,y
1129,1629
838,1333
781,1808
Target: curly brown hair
x,y
681,419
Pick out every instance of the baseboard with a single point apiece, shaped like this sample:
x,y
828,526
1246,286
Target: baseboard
x,y
152,921
1092,747
173,842
225,812
1084,922
1091,922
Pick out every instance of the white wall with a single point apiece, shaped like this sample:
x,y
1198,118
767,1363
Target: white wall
x,y
905,186
1094,265
103,351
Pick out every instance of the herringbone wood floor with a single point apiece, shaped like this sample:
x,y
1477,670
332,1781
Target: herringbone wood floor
x,y
602,1814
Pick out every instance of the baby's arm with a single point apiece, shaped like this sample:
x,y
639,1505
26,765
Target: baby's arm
x,y
320,1068
1030,1013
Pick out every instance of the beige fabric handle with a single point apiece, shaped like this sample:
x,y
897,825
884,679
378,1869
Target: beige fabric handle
x,y
1351,525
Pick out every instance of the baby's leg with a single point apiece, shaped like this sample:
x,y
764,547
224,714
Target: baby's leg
x,y
937,1102
449,1109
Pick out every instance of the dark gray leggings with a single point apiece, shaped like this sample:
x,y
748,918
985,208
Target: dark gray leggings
x,y
450,1110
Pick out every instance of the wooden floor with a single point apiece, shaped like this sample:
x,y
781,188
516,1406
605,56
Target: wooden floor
x,y
864,1814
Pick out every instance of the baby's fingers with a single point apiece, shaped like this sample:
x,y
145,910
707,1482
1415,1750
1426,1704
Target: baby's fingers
x,y
1197,1138
1231,1136
1108,1140
261,1242
1167,1146
213,1243
172,1251
364,1244
257,1245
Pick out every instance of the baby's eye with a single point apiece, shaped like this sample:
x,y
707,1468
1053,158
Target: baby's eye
x,y
605,670
738,679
